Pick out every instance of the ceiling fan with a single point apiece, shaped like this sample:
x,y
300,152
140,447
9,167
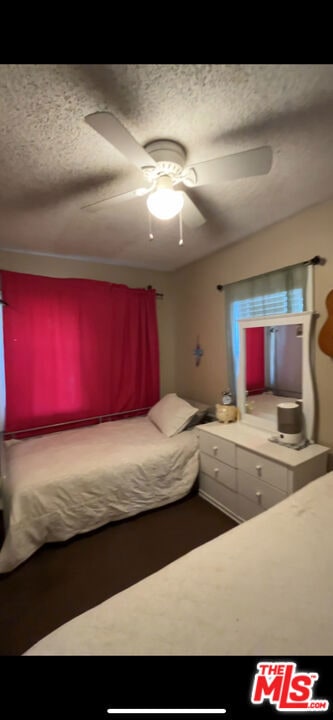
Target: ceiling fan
x,y
163,167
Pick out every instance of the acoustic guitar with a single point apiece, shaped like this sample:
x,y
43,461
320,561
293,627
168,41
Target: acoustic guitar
x,y
325,339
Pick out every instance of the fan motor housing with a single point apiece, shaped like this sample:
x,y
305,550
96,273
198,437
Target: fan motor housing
x,y
169,156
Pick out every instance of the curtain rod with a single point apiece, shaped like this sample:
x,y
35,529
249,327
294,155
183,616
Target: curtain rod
x,y
158,294
316,260
149,287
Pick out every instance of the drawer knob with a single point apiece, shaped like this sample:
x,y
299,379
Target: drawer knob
x,y
258,494
215,449
258,469
216,472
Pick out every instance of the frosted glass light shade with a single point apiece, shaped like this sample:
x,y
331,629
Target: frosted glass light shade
x,y
165,202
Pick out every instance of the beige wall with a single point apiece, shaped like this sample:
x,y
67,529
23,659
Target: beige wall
x,y
200,307
133,277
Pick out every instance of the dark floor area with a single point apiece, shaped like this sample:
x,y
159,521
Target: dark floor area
x,y
63,580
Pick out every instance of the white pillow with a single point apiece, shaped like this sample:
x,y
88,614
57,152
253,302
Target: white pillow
x,y
171,414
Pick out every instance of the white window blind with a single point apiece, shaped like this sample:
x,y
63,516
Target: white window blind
x,y
291,301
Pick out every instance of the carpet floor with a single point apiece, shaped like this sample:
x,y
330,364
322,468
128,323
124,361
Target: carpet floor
x,y
62,580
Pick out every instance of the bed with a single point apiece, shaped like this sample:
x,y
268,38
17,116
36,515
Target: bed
x,y
70,482
264,588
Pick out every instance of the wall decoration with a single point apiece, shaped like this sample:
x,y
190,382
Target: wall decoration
x,y
198,352
325,338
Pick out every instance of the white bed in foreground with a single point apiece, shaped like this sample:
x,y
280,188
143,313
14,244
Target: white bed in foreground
x,y
70,482
264,588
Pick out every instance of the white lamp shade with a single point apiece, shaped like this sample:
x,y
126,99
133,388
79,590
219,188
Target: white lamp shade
x,y
165,202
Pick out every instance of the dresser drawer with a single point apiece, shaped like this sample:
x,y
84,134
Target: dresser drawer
x,y
221,472
263,495
247,508
257,465
228,499
218,448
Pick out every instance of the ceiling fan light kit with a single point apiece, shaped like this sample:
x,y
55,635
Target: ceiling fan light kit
x,y
165,202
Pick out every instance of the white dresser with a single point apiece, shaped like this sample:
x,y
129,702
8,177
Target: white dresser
x,y
243,473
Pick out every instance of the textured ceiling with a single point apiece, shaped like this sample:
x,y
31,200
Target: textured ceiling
x,y
53,163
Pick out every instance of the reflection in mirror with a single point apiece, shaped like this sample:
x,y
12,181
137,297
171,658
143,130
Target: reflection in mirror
x,y
275,368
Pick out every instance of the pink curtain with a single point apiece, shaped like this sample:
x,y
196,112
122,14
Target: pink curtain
x,y
76,349
255,359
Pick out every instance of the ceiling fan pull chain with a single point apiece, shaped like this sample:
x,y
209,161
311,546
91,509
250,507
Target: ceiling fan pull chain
x,y
150,227
181,240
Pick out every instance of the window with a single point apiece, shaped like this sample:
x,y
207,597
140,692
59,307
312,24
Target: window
x,y
272,304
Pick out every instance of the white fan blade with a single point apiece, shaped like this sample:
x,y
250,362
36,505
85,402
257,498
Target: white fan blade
x,y
232,167
112,130
191,215
116,199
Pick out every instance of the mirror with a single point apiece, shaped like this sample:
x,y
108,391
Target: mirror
x,y
275,368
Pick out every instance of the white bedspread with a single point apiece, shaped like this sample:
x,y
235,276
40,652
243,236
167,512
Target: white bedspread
x,y
71,482
264,588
